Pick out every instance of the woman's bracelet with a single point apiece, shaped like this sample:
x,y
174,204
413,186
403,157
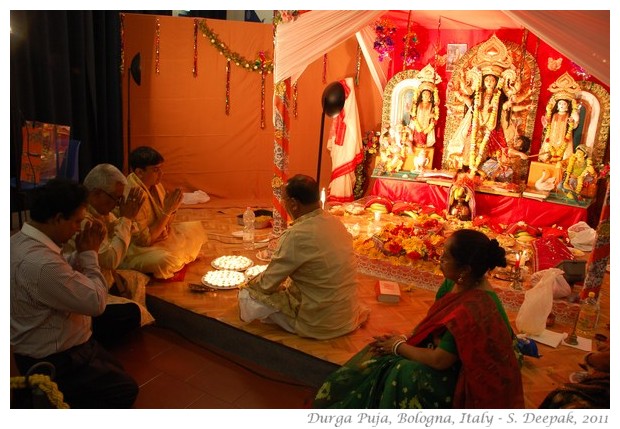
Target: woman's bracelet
x,y
396,345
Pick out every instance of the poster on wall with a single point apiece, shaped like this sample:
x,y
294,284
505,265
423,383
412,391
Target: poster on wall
x,y
44,147
455,51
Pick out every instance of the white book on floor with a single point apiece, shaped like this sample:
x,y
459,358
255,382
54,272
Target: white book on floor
x,y
549,338
387,291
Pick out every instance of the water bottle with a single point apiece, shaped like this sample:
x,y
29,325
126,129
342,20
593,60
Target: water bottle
x,y
248,228
588,317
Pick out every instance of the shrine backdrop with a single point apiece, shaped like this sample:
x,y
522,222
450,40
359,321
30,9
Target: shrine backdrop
x,y
183,114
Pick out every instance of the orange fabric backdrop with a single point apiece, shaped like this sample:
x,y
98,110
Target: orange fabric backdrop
x,y
183,117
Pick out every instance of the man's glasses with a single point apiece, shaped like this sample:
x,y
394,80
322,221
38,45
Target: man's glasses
x,y
117,200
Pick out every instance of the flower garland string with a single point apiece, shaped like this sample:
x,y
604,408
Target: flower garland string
x,y
370,147
295,99
261,65
227,100
195,69
122,43
157,40
257,65
358,63
475,159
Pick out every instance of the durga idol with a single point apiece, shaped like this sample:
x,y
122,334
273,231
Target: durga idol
x,y
486,89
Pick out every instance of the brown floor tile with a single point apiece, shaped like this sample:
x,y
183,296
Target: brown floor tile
x,y
179,362
266,394
166,391
221,382
207,401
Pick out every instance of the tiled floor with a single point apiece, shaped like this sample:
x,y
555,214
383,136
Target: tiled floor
x,y
174,373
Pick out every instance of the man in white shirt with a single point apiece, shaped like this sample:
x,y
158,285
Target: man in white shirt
x,y
310,287
53,302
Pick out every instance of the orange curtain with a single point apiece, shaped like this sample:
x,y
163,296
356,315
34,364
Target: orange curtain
x,y
228,156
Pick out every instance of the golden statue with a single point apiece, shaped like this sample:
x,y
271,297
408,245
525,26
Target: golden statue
x,y
425,109
490,90
580,175
560,120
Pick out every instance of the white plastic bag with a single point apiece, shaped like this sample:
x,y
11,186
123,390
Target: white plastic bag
x,y
532,316
561,288
581,236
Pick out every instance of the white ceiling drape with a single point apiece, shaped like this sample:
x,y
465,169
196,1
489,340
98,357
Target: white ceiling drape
x,y
581,35
300,42
378,69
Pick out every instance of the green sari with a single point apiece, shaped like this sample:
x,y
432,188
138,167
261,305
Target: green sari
x,y
487,374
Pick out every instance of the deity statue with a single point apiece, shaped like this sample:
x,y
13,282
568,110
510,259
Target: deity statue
x,y
508,165
391,152
461,199
561,118
490,90
425,111
580,175
404,137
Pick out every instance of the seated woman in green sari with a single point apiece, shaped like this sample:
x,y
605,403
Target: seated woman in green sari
x,y
461,355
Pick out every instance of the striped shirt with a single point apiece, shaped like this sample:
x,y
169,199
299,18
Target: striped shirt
x,y
51,302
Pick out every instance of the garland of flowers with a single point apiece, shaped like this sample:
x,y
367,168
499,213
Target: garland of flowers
x,y
558,152
260,64
358,63
295,99
370,147
227,99
417,242
414,112
122,43
195,69
384,45
476,160
157,41
45,384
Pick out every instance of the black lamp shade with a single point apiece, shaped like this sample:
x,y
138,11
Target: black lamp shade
x,y
134,69
333,99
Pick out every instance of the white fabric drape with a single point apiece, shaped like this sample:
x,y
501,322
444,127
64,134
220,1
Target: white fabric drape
x,y
378,69
345,148
581,35
300,42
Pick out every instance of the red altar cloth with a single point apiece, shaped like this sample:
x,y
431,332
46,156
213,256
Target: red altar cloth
x,y
503,209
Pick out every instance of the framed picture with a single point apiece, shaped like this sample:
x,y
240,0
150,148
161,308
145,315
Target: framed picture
x,y
454,53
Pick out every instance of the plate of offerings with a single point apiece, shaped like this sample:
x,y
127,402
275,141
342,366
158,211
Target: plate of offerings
x,y
223,279
255,270
232,263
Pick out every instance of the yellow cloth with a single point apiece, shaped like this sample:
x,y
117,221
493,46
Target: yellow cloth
x,y
180,245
